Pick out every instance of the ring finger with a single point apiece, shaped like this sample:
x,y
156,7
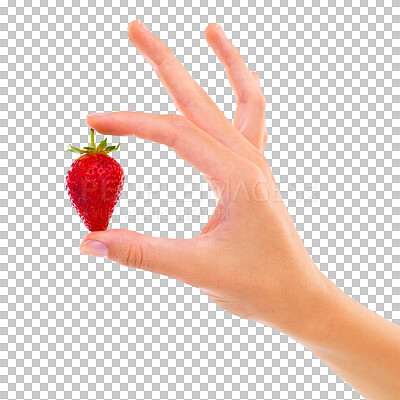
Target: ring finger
x,y
249,116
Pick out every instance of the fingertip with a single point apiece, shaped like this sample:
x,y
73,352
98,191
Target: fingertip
x,y
129,30
89,236
89,121
95,236
94,248
96,115
131,27
117,123
215,35
96,120
211,28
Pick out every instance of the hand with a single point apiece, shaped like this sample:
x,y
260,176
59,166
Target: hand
x,y
248,258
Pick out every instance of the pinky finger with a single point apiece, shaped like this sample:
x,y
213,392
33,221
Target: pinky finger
x,y
265,138
256,76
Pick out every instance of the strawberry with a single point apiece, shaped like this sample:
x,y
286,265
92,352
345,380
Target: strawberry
x,y
94,184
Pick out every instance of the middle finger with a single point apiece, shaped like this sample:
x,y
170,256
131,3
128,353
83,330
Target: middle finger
x,y
188,96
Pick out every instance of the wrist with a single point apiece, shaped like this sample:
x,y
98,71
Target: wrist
x,y
332,322
317,308
358,344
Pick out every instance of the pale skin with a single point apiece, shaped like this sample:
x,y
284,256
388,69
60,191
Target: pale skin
x,y
249,258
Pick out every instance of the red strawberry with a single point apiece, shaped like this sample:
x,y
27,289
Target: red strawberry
x,y
94,184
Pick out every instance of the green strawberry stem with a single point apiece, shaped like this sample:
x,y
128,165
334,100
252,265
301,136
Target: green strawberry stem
x,y
92,138
102,148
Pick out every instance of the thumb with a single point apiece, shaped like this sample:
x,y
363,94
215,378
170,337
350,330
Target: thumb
x,y
178,258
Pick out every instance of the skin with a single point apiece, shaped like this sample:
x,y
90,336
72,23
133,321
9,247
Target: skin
x,y
248,258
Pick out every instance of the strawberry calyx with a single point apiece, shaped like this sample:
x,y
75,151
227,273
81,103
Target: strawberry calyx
x,y
102,148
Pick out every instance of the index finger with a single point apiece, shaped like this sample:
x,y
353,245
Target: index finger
x,y
187,140
189,97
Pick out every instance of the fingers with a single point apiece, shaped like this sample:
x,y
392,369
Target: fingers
x,y
265,135
265,138
249,116
188,141
188,96
256,76
177,258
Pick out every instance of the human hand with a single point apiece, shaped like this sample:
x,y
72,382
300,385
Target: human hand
x,y
248,258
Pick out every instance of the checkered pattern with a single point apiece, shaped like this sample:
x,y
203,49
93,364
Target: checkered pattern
x,y
76,327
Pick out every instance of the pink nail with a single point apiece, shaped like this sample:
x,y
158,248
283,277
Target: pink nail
x,y
94,248
97,114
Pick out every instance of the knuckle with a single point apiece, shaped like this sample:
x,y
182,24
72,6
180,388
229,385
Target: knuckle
x,y
261,161
233,58
183,100
181,125
135,256
164,63
253,98
260,100
249,171
202,93
179,122
254,173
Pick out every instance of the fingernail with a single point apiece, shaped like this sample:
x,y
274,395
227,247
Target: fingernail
x,y
97,114
219,27
94,248
144,26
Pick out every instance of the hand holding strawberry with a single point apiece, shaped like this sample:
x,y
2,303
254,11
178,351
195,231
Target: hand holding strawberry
x,y
94,184
248,258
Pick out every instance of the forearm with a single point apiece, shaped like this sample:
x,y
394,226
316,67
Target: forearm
x,y
357,344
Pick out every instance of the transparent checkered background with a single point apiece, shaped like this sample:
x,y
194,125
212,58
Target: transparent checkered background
x,y
76,327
